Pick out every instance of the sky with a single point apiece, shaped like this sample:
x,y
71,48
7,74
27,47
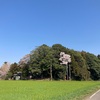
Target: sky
x,y
27,24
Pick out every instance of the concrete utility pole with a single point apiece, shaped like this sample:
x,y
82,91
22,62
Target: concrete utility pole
x,y
66,60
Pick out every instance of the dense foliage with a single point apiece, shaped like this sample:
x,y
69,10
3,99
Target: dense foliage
x,y
44,64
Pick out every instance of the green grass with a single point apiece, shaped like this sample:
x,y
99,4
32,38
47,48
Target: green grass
x,y
46,90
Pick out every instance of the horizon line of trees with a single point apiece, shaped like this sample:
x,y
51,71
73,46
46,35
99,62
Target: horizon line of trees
x,y
44,64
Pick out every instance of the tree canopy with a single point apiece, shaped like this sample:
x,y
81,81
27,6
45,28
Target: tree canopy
x,y
44,64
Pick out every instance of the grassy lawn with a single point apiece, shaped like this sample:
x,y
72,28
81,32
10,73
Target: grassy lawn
x,y
46,90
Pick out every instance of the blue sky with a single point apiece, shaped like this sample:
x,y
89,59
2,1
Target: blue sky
x,y
26,24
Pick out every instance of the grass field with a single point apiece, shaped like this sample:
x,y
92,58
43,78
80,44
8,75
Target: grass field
x,y
46,90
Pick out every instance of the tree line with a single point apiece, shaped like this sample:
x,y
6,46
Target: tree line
x,y
44,64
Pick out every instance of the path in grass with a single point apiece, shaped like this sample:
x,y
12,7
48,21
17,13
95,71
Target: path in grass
x,y
46,90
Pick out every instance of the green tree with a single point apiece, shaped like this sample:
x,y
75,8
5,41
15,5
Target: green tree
x,y
44,63
98,56
93,66
59,71
14,68
25,71
38,63
79,67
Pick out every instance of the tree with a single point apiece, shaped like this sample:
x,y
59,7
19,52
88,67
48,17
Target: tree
x,y
79,67
50,60
59,71
38,62
14,68
25,71
98,56
43,62
93,66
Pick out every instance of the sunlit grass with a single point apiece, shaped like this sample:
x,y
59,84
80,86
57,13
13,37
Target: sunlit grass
x,y
46,90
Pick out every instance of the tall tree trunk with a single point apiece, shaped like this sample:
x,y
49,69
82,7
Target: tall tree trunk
x,y
51,72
